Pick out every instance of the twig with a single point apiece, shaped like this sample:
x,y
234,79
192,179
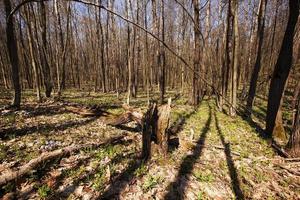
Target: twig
x,y
289,170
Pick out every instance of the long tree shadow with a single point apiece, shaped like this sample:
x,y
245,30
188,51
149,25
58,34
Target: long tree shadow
x,y
119,182
235,183
8,133
257,127
176,188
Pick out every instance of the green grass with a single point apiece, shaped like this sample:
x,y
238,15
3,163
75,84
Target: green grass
x,y
203,176
142,170
99,180
3,151
108,151
150,182
44,191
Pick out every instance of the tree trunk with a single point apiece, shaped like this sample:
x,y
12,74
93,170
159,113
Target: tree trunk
x,y
129,54
103,80
257,66
148,124
5,81
13,54
293,145
162,59
33,62
295,97
195,87
162,125
282,68
43,48
235,60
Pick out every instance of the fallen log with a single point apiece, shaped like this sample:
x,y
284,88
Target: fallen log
x,y
44,157
94,111
131,114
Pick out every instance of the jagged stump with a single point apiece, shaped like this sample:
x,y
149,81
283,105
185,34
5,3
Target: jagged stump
x,y
155,125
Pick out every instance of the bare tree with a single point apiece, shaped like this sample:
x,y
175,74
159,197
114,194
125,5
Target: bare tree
x,y
257,66
282,68
13,54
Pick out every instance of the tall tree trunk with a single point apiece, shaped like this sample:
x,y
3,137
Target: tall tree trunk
x,y
282,68
296,95
103,80
13,54
257,66
33,62
43,48
129,54
294,141
162,59
195,87
235,60
5,80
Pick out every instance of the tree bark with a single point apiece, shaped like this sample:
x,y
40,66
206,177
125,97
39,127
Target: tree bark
x,y
235,60
13,54
33,62
282,68
197,51
162,59
129,52
257,66
293,145
43,48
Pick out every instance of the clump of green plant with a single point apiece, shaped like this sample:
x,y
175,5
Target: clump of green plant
x,y
44,191
18,152
10,119
151,182
74,172
259,176
141,170
3,151
9,187
109,151
204,176
200,195
31,155
98,182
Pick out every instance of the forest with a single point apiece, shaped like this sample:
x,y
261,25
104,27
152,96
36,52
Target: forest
x,y
149,99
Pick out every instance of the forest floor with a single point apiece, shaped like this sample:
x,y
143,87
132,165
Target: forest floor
x,y
218,157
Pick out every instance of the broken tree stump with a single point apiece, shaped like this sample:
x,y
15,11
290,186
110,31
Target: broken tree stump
x,y
162,126
148,124
155,125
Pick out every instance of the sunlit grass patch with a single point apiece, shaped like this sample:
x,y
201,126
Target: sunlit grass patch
x,y
44,191
203,175
151,182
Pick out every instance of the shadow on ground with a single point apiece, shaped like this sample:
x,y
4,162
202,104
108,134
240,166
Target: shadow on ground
x,y
12,132
176,188
235,183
